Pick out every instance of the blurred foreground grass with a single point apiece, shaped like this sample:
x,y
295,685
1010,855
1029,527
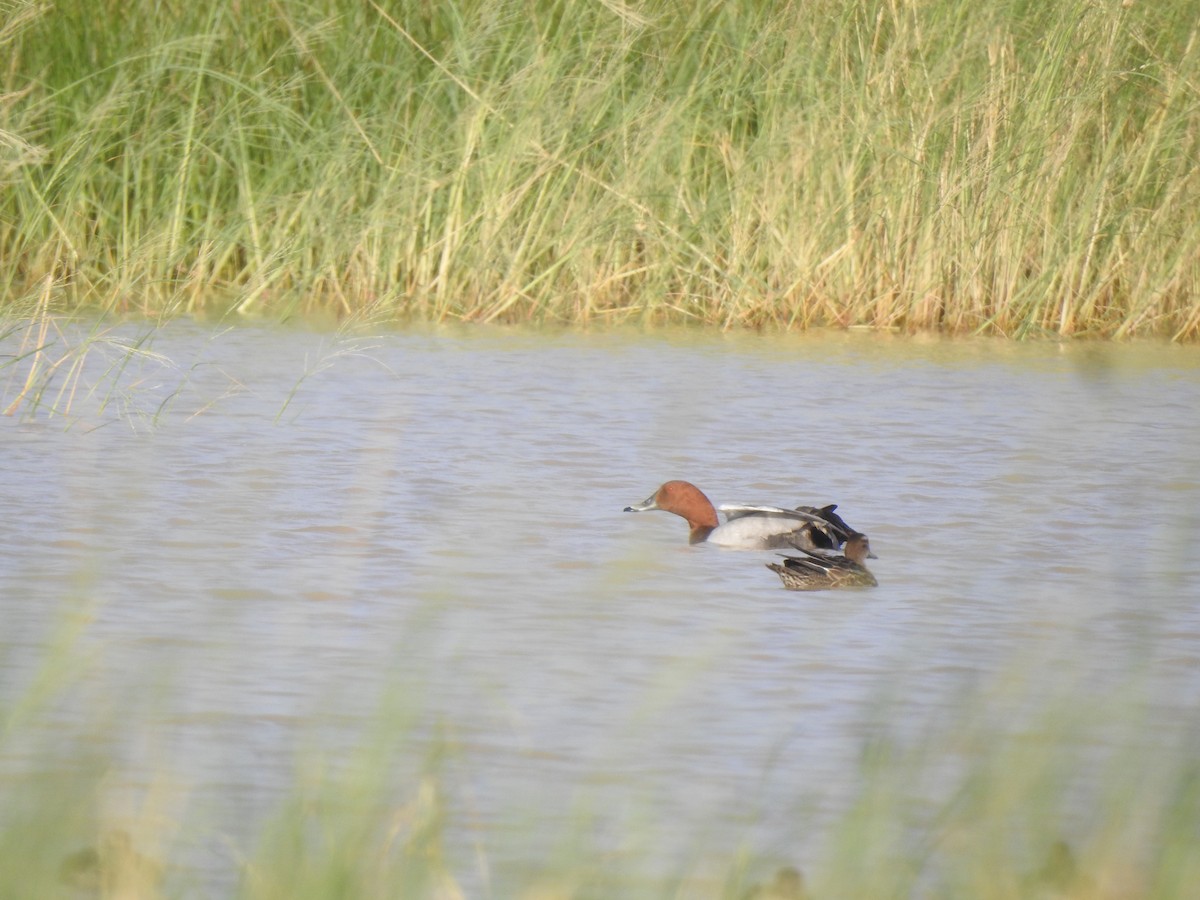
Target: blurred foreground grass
x,y
1062,801
1016,168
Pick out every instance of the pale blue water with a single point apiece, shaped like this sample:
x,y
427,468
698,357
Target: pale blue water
x,y
256,547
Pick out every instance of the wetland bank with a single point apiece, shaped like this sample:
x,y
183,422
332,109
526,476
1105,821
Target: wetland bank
x,y
1019,169
336,337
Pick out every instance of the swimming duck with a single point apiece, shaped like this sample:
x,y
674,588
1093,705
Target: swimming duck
x,y
748,527
820,571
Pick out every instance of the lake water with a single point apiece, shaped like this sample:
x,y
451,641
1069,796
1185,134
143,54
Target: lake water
x,y
247,552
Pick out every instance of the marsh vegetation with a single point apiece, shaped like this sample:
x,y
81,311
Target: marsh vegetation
x,y
1014,168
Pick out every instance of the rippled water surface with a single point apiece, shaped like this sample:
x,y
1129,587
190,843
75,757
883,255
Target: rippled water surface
x,y
249,548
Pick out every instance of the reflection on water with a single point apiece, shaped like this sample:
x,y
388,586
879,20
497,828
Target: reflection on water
x,y
276,537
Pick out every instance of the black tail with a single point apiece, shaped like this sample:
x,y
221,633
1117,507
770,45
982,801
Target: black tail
x,y
835,535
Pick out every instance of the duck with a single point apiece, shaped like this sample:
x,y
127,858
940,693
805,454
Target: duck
x,y
817,571
748,527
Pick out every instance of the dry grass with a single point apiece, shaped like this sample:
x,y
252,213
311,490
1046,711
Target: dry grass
x,y
1015,168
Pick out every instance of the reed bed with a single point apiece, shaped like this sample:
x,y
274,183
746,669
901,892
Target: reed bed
x,y
1014,168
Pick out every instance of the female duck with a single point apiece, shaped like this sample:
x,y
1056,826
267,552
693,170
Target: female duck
x,y
819,572
748,527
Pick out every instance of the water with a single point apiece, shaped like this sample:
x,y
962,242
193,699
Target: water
x,y
251,548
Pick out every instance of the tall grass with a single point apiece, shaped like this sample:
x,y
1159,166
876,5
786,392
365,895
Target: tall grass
x,y
54,364
1013,167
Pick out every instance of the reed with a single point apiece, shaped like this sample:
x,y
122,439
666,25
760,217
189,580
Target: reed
x,y
56,362
1014,168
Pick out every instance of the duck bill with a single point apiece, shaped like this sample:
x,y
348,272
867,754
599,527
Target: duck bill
x,y
649,503
871,555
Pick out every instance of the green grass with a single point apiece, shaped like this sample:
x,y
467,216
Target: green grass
x,y
1016,168
968,804
57,362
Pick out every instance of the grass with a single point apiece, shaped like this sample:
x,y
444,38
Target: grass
x,y
970,805
1014,168
57,362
